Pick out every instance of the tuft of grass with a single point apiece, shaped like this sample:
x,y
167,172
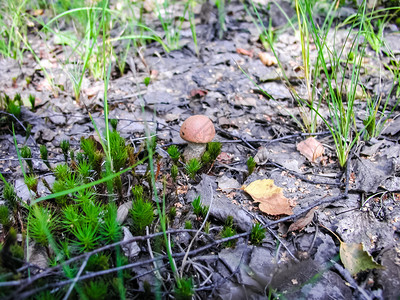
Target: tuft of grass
x,y
44,155
174,172
214,148
31,182
110,229
96,289
174,153
257,234
86,237
184,289
188,224
199,209
42,223
192,167
26,153
228,232
142,215
4,216
251,164
64,145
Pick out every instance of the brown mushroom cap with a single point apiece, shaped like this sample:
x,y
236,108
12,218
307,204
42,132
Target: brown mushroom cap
x,y
197,129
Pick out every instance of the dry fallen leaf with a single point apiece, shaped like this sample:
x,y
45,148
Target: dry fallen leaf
x,y
267,59
244,52
271,198
261,158
311,149
356,259
302,222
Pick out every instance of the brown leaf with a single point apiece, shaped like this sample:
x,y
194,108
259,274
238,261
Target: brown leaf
x,y
198,93
244,52
356,259
302,222
271,198
267,59
311,149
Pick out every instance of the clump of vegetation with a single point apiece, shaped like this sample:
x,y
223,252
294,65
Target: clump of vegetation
x,y
229,231
142,213
184,289
199,209
251,164
257,234
192,167
26,153
174,153
64,145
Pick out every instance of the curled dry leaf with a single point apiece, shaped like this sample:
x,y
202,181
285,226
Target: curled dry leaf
x,y
244,52
267,59
302,222
356,259
311,149
271,198
261,158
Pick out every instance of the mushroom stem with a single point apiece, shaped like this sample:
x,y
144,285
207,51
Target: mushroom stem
x,y
194,150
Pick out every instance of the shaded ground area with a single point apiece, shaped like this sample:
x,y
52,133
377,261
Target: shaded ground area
x,y
360,203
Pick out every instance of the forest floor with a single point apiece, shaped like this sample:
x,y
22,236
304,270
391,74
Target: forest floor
x,y
358,202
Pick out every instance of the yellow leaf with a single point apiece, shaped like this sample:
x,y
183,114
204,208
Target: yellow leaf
x,y
271,198
356,259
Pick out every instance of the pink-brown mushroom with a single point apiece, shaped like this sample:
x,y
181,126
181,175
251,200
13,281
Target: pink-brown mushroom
x,y
197,130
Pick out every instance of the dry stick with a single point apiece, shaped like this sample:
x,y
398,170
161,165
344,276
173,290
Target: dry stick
x,y
346,275
198,231
156,271
71,287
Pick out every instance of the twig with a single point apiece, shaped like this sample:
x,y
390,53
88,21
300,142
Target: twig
x,y
71,287
198,231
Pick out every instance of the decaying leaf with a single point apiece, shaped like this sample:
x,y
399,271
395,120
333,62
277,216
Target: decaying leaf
x,y
356,259
271,198
311,149
244,52
261,158
302,222
267,59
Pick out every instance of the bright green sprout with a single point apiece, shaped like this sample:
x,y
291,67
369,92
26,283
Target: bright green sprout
x,y
172,213
110,230
44,155
257,234
188,224
64,145
251,164
214,148
86,236
174,172
206,158
142,215
31,182
42,224
32,101
4,215
174,153
114,124
192,166
199,209
184,289
137,192
146,81
228,232
26,153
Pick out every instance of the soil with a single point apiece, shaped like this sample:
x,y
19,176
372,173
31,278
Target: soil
x,y
360,202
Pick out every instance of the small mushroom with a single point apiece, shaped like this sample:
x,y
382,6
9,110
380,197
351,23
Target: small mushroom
x,y
197,130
